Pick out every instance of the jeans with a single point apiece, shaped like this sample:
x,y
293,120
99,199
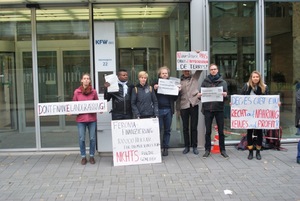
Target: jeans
x,y
259,136
81,135
209,116
165,121
189,118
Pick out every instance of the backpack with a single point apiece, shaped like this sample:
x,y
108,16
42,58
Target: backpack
x,y
242,145
136,90
273,138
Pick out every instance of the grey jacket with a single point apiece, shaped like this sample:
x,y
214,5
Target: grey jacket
x,y
189,91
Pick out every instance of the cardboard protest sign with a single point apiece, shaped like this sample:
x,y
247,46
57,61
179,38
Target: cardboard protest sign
x,y
192,60
72,107
255,112
136,141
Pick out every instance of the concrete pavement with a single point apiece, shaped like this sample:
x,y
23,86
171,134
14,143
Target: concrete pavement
x,y
60,176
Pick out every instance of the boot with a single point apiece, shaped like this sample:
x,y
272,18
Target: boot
x,y
258,156
250,156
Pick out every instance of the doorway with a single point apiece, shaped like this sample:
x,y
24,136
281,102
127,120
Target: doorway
x,y
135,60
8,120
59,74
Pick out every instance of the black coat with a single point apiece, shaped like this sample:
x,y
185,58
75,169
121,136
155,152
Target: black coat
x,y
120,104
214,106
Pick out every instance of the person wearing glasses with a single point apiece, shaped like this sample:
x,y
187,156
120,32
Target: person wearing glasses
x,y
215,110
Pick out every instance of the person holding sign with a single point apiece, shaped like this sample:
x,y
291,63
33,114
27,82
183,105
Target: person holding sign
x,y
165,109
121,99
143,99
255,86
214,109
189,109
89,120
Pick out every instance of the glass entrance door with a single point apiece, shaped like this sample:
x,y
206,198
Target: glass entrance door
x,y
139,59
59,74
8,120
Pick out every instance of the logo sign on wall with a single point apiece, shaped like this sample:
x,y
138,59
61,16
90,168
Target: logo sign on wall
x,y
136,141
104,52
255,112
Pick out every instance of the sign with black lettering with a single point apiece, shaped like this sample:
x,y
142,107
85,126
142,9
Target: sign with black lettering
x,y
192,60
255,112
72,107
136,141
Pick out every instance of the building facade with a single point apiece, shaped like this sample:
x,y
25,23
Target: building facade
x,y
46,45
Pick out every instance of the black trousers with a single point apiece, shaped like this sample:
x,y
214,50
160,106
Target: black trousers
x,y
189,118
259,136
209,116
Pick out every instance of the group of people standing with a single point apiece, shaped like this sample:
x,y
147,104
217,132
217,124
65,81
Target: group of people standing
x,y
143,101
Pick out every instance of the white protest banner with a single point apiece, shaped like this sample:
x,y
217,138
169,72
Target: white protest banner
x,y
255,112
168,87
211,94
72,107
136,141
192,60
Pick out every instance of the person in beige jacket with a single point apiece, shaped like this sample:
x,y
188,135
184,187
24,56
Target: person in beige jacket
x,y
189,99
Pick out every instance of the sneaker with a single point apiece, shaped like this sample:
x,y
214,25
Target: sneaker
x,y
83,161
186,150
223,153
206,154
195,151
92,160
165,152
298,160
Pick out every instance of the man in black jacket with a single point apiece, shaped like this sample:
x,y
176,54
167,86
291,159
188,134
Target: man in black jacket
x,y
215,110
121,100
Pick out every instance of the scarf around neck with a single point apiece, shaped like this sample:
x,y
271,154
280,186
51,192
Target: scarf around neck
x,y
125,87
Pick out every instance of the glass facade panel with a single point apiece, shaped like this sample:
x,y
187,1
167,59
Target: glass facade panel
x,y
232,39
14,80
282,47
63,56
148,36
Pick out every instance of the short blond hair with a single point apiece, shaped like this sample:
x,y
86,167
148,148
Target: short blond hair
x,y
143,74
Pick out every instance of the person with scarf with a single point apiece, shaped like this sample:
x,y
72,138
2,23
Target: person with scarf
x,y
215,110
255,86
121,100
89,120
189,109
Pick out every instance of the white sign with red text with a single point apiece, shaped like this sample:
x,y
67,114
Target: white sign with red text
x,y
72,107
136,141
255,112
192,60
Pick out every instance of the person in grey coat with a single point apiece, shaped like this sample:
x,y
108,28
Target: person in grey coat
x,y
189,109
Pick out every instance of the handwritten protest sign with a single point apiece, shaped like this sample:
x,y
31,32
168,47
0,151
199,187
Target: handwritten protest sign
x,y
211,94
112,79
136,141
168,87
72,107
255,112
192,60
